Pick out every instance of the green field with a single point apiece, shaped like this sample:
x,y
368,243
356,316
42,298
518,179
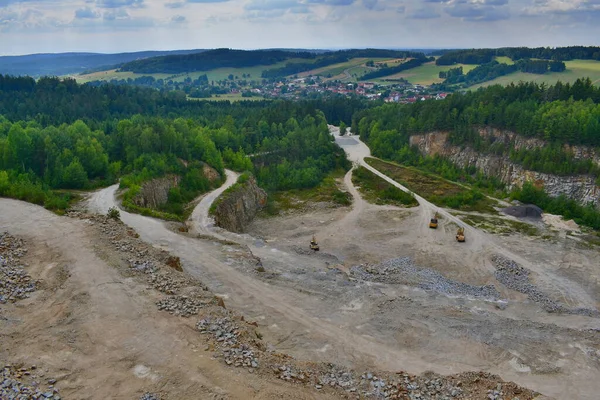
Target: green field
x,y
426,74
504,60
354,66
575,69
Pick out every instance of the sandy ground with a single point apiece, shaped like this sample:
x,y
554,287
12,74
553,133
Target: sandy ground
x,y
305,303
99,333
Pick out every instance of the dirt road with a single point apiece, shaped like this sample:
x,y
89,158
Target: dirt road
x,y
98,333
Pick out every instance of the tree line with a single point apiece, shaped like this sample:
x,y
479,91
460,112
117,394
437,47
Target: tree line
x,y
484,56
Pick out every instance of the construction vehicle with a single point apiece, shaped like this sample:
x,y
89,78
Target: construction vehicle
x,y
314,245
433,224
460,235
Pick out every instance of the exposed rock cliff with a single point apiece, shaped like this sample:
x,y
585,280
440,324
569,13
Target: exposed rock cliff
x,y
155,192
579,187
238,207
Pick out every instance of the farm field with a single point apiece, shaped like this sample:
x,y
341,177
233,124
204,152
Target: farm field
x,y
575,69
426,74
356,66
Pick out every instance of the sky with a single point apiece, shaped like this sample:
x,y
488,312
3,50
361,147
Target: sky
x,y
112,26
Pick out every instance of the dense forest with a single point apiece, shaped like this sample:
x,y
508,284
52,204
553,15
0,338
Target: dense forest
x,y
61,135
562,113
484,56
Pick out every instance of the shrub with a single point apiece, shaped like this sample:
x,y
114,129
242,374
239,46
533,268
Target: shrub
x,y
114,213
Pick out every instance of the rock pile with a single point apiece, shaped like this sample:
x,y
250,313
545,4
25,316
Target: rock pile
x,y
404,271
165,283
226,334
183,306
14,387
516,277
15,283
145,266
291,373
149,396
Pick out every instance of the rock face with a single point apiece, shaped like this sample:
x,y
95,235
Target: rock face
x,y
581,188
155,192
238,208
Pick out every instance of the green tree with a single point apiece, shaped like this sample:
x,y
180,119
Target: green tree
x,y
74,176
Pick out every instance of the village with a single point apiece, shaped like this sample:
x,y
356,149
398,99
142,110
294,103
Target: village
x,y
400,91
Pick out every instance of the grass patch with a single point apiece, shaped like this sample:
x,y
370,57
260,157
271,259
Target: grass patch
x,y
434,188
327,191
504,60
377,191
500,225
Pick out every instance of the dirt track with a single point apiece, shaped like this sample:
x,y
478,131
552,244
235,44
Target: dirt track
x,y
312,311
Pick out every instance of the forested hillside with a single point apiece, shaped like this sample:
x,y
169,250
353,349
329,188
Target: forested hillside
x,y
229,58
61,135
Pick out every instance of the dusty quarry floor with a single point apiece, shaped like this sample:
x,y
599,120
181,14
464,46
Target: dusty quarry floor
x,y
524,308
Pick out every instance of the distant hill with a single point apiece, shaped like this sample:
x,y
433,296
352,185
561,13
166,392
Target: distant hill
x,y
73,63
229,58
211,59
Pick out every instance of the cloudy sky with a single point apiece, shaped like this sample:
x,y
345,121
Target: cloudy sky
x,y
32,26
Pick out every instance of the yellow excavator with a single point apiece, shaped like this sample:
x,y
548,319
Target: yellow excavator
x,y
313,244
433,224
460,235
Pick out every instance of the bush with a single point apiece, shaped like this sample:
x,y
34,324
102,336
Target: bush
x,y
114,213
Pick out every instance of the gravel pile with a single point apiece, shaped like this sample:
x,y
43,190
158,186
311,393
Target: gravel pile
x,y
291,373
15,283
404,271
242,356
149,396
226,335
165,283
145,266
13,385
183,306
337,378
516,277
